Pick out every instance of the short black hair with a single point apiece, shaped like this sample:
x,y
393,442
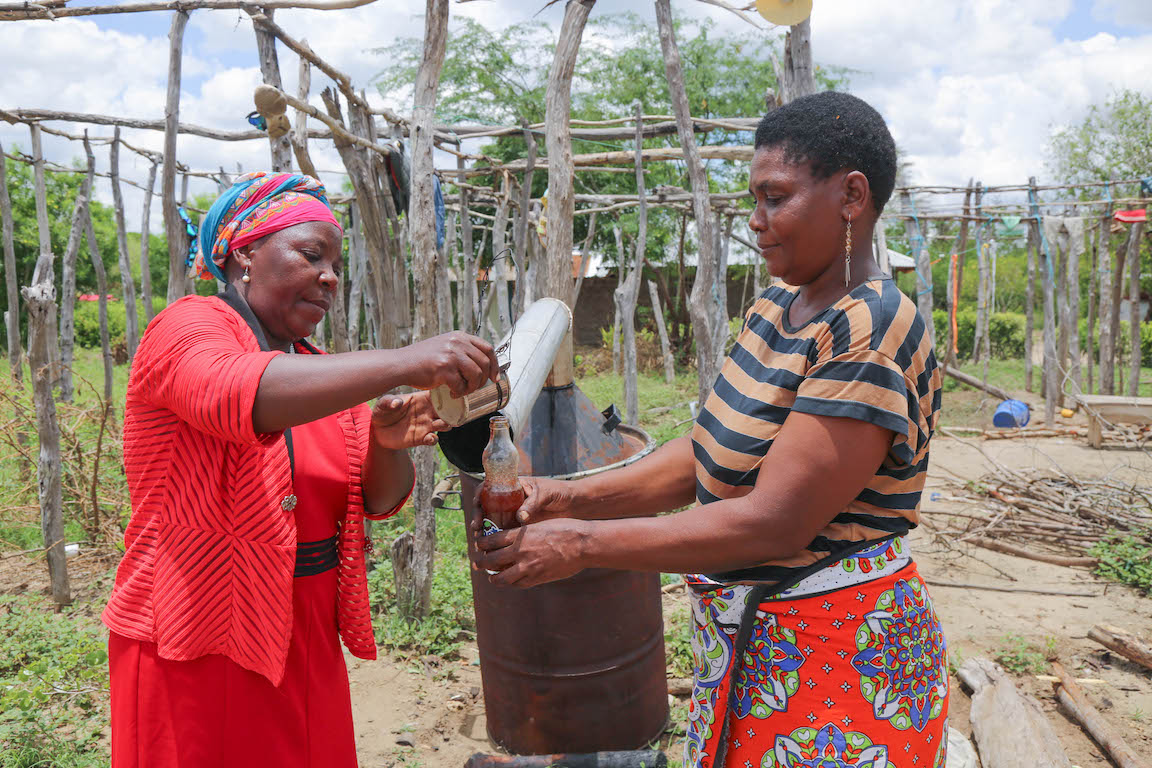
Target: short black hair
x,y
832,131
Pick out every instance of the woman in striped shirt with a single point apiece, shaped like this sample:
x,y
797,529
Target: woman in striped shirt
x,y
815,640
252,462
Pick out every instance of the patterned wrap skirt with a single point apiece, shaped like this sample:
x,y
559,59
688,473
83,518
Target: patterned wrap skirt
x,y
846,668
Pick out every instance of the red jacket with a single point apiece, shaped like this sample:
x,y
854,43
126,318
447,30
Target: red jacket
x,y
209,550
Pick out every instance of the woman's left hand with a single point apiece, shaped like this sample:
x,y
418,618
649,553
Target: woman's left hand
x,y
400,422
549,550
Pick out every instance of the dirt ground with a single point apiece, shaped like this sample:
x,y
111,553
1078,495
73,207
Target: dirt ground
x,y
431,713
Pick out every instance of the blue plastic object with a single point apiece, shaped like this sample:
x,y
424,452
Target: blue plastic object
x,y
1011,414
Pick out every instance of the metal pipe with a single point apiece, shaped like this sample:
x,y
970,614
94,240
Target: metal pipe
x,y
533,344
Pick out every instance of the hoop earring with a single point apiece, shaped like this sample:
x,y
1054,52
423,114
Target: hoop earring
x,y
246,278
848,253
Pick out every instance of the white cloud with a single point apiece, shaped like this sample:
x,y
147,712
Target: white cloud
x,y
969,89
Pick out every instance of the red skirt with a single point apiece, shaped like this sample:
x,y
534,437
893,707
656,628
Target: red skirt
x,y
211,712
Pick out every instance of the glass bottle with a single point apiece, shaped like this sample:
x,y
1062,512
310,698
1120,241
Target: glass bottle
x,y
501,493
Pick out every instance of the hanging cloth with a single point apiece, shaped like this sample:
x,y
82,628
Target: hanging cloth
x,y
1131,217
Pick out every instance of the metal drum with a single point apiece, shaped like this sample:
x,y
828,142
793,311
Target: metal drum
x,y
576,665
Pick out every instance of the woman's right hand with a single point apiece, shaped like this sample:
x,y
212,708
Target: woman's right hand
x,y
460,361
544,499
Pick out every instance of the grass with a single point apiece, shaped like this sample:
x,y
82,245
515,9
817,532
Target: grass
x,y
1019,656
1126,558
53,685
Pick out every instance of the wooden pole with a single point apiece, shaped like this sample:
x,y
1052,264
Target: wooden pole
x,y
628,294
68,296
145,236
1075,229
1048,276
499,267
923,261
797,78
1117,295
554,279
1071,697
661,328
12,316
417,601
1107,339
173,226
953,278
1123,643
467,288
128,286
50,10
520,233
447,260
703,302
281,146
1030,306
40,298
101,277
1134,318
617,320
299,135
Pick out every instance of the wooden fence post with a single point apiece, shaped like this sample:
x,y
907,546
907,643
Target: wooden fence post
x,y
1075,227
628,294
554,278
145,234
703,302
1134,308
281,146
128,286
101,275
1031,248
12,316
466,290
68,296
520,232
173,226
417,600
40,298
1048,277
661,328
299,135
447,260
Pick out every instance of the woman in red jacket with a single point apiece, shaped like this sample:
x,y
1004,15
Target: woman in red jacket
x,y
252,462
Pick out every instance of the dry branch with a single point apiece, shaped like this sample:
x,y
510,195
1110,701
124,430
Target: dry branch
x,y
1124,643
1008,549
1072,698
20,11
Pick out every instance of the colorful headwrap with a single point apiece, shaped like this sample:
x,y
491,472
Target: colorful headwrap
x,y
257,205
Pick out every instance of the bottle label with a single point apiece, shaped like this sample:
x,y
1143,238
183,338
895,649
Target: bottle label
x,y
487,529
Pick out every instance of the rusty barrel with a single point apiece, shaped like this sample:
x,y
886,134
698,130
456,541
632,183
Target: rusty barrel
x,y
576,665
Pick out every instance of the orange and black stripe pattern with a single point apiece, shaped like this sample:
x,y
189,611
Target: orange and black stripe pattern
x,y
867,357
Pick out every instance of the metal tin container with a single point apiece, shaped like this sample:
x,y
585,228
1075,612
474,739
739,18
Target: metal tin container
x,y
576,665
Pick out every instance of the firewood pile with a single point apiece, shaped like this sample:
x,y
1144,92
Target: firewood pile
x,y
1047,516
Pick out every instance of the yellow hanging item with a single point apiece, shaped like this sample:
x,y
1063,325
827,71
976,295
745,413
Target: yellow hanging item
x,y
785,13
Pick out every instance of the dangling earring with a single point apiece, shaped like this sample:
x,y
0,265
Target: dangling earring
x,y
246,278
848,253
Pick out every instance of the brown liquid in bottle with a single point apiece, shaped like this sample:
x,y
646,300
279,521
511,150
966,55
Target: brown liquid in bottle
x,y
501,493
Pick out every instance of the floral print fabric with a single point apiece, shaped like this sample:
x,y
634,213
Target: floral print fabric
x,y
856,676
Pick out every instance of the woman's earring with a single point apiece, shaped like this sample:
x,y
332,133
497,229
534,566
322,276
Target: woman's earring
x,y
848,253
246,278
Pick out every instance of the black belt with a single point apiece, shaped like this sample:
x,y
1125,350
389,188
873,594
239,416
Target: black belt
x,y
313,557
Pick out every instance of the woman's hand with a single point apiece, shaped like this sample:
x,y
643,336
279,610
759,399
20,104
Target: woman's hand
x,y
535,554
400,422
460,361
544,499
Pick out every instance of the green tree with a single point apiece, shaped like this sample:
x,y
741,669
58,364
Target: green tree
x,y
62,189
1114,140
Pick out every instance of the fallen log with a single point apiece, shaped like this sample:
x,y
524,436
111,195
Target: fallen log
x,y
972,381
1123,643
680,686
1008,726
1071,697
1042,557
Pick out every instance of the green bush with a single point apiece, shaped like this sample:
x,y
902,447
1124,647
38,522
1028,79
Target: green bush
x,y
1005,331
1126,558
1122,343
88,320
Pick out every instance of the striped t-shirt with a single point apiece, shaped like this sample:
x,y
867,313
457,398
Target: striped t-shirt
x,y
866,357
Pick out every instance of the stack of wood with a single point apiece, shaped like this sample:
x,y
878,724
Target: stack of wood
x,y
1063,516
